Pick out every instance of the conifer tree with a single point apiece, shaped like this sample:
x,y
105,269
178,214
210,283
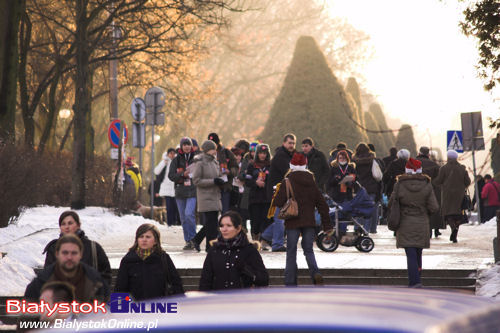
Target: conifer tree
x,y
406,140
311,103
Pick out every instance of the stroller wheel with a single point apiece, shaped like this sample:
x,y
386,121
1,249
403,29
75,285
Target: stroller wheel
x,y
365,244
327,244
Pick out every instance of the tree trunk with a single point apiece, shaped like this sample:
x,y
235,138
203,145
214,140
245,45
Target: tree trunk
x,y
81,107
51,118
10,15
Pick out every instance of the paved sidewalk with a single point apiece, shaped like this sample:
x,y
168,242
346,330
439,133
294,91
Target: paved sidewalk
x,y
474,250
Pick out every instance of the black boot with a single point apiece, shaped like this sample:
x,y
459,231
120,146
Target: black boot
x,y
453,236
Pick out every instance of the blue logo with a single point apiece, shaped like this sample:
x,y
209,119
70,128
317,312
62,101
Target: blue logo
x,y
122,303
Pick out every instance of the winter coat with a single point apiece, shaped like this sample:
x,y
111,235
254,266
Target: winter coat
x,y
242,176
280,164
208,194
337,173
146,279
88,256
453,180
317,164
233,264
135,175
388,160
167,188
416,201
364,174
226,160
431,169
184,187
308,198
491,193
257,194
394,169
95,286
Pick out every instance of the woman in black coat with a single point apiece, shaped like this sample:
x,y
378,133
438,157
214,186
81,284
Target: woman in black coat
x,y
232,262
147,271
256,178
93,253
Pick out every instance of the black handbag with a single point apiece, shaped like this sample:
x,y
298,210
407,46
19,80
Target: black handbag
x,y
394,215
466,202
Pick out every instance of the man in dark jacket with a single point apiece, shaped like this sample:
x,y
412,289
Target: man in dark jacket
x,y
280,164
316,163
88,283
431,169
453,180
392,156
394,169
185,191
229,169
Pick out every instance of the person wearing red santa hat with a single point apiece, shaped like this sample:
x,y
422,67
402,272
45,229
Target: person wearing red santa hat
x,y
417,201
308,197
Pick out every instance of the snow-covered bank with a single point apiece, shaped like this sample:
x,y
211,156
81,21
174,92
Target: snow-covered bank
x,y
24,241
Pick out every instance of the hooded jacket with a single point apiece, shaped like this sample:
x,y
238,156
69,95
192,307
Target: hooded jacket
x,y
184,187
205,169
317,164
417,201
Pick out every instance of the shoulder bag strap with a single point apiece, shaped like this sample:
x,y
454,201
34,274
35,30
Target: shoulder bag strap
x,y
289,185
94,254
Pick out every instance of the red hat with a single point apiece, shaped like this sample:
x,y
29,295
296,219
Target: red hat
x,y
413,164
298,159
129,162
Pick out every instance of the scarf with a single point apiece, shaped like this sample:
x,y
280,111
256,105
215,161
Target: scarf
x,y
237,241
77,280
143,254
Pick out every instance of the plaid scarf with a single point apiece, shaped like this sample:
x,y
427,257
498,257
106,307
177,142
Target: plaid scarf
x,y
143,254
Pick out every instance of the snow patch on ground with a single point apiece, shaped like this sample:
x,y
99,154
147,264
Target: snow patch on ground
x,y
488,282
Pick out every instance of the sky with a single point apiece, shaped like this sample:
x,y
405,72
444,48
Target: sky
x,y
423,70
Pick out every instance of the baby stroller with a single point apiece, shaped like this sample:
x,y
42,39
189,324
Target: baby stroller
x,y
348,213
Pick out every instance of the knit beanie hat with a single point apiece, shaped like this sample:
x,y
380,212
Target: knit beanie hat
x,y
186,141
413,166
208,145
452,154
214,137
253,146
404,154
298,162
195,143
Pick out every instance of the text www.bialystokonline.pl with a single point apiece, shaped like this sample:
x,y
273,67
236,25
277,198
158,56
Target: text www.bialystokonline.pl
x,y
76,325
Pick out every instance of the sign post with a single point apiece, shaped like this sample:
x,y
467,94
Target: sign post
x,y
155,100
138,108
472,131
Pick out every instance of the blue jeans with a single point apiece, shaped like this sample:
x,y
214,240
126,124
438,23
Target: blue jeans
x,y
275,231
414,263
292,238
187,208
225,198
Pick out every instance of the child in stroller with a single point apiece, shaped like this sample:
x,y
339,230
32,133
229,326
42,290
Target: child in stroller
x,y
351,212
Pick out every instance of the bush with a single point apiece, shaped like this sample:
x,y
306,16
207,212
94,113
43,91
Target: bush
x,y
28,179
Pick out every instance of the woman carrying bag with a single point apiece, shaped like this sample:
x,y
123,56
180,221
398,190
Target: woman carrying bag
x,y
410,205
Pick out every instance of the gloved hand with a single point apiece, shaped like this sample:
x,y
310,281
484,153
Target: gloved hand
x,y
218,181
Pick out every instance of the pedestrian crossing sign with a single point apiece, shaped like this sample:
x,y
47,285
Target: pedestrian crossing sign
x,y
454,141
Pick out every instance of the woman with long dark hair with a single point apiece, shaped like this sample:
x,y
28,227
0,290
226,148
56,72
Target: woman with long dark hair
x,y
233,262
147,271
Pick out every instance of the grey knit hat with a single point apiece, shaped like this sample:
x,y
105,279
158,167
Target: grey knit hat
x,y
186,141
208,145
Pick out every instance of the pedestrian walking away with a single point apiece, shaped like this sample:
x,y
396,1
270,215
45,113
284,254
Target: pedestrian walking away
x,y
303,187
415,195
453,180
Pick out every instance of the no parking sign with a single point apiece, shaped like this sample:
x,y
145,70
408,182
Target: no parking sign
x,y
114,133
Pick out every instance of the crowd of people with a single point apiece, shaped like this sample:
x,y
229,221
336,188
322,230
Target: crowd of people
x,y
222,188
